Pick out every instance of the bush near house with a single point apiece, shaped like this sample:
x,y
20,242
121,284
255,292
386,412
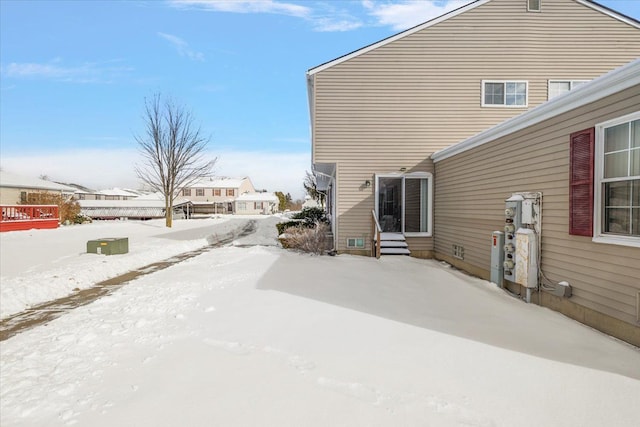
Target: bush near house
x,y
312,240
307,218
306,232
68,209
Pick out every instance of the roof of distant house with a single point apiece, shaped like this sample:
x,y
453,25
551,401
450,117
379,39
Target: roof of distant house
x,y
118,192
9,179
219,182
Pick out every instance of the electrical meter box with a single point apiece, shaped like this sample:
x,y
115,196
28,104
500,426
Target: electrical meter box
x,y
108,246
512,222
497,258
526,268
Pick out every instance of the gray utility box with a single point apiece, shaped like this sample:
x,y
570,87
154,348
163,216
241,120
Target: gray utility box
x,y
108,246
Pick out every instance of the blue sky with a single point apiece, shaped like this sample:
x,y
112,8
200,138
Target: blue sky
x,y
74,76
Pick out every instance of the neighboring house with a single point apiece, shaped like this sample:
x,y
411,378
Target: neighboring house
x,y
18,189
581,151
216,195
256,203
109,194
377,114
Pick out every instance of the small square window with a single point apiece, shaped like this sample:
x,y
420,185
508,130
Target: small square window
x,y
200,192
355,243
534,5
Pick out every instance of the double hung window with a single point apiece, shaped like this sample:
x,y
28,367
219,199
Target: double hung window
x,y
504,93
618,177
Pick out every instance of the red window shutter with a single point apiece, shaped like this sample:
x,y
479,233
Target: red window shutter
x,y
581,154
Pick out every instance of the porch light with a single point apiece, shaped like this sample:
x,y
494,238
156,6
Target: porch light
x,y
367,183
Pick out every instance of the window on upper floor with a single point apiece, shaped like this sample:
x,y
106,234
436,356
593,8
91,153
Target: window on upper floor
x,y
604,183
231,192
534,5
558,87
186,192
216,192
200,192
497,93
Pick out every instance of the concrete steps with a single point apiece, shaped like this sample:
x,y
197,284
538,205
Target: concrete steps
x,y
393,244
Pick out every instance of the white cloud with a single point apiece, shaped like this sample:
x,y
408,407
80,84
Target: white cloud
x,y
409,13
330,25
182,47
88,72
329,20
102,168
246,6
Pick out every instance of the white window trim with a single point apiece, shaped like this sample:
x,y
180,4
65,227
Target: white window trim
x,y
526,94
411,175
570,81
598,235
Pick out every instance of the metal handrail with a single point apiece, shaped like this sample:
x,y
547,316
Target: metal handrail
x,y
376,230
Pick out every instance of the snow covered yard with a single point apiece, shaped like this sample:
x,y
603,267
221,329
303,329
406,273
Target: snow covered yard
x,y
41,265
260,336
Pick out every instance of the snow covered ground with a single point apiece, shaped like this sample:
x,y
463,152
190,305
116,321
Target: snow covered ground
x,y
248,335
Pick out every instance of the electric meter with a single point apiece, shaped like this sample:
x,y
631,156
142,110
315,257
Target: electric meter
x,y
509,247
509,264
509,212
509,228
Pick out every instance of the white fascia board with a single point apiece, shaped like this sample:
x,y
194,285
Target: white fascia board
x,y
613,82
398,36
610,12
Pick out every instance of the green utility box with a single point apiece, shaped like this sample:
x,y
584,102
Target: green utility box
x,y
108,246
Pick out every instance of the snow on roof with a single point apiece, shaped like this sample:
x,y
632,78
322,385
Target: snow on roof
x,y
257,197
218,183
8,179
118,192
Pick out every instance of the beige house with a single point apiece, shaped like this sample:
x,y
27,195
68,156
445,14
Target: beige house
x,y
216,195
109,194
580,154
18,189
377,114
256,204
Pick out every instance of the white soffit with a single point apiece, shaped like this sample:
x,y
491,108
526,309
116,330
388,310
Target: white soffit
x,y
613,82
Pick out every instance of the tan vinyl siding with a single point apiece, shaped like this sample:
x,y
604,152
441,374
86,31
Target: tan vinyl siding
x,y
395,105
471,188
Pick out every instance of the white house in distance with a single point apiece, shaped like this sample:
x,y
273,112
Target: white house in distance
x,y
256,203
15,189
216,195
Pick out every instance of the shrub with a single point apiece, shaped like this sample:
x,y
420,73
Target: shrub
x,y
81,219
312,240
67,208
282,226
312,215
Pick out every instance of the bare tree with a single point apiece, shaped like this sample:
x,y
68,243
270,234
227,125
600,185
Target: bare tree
x,y
311,187
173,149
